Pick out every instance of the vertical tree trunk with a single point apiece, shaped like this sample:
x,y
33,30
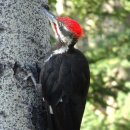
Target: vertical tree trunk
x,y
23,38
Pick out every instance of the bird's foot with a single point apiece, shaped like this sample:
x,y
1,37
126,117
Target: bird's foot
x,y
34,75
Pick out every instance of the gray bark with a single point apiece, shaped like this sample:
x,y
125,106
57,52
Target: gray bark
x,y
24,38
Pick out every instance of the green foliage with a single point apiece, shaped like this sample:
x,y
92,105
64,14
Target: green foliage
x,y
106,24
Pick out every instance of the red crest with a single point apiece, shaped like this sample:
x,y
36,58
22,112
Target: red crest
x,y
72,25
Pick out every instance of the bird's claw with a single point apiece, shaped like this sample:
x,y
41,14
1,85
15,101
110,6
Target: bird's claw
x,y
28,76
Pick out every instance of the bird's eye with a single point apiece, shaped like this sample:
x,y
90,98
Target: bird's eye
x,y
60,24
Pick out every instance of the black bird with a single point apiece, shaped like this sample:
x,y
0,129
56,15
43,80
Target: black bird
x,y
65,76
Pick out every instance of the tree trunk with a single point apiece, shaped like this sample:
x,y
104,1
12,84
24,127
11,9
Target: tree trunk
x,y
23,38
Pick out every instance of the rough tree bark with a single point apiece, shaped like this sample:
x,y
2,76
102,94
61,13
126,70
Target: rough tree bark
x,y
23,38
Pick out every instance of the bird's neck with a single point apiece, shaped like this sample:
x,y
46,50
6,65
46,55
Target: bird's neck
x,y
58,46
61,50
61,47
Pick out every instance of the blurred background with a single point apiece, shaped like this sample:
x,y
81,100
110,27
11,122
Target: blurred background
x,y
106,44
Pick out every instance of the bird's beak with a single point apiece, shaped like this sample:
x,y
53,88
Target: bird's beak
x,y
52,19
49,15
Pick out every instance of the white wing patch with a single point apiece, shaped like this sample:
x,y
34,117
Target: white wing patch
x,y
50,108
61,100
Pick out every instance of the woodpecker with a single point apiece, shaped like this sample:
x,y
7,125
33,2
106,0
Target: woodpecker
x,y
65,76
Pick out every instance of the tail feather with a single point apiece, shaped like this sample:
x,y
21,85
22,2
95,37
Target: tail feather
x,y
67,115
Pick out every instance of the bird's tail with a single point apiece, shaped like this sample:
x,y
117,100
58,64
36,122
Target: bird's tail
x,y
67,115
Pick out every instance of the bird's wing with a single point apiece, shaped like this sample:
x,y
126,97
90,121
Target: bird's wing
x,y
74,77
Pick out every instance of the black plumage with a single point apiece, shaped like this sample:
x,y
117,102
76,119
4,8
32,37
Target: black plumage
x,y
65,81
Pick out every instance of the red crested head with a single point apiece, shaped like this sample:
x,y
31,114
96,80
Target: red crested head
x,y
72,26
